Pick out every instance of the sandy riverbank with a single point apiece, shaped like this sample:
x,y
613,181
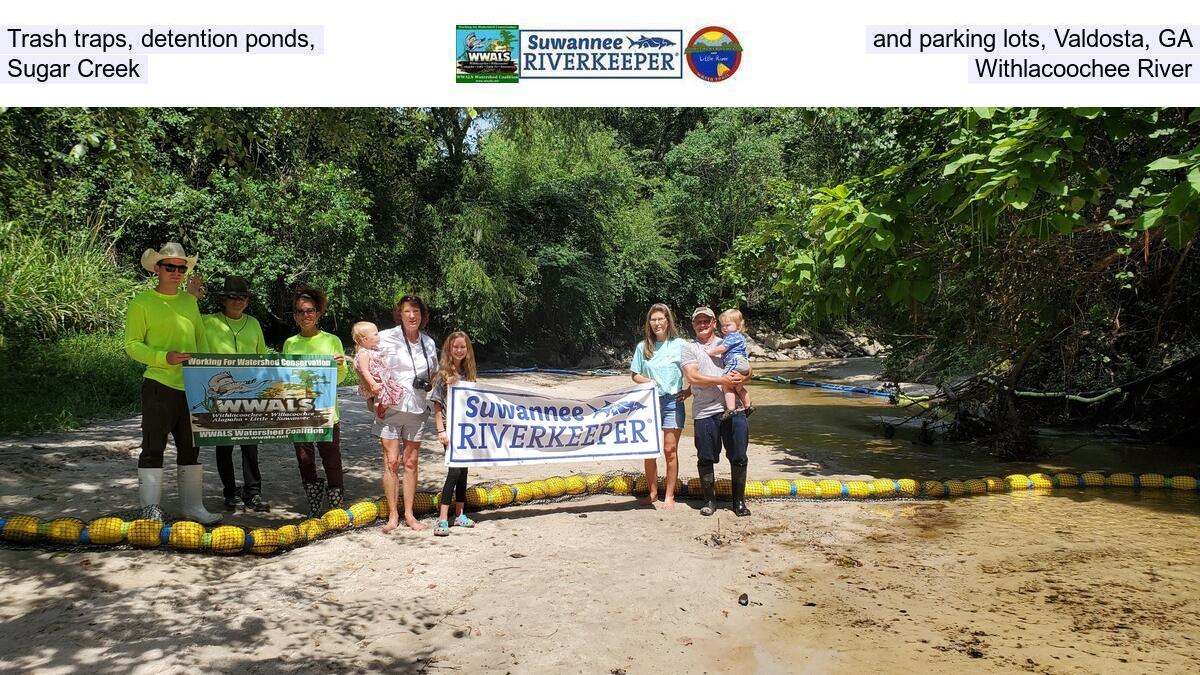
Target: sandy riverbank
x,y
1060,583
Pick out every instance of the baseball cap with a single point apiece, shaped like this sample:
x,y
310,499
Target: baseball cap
x,y
703,310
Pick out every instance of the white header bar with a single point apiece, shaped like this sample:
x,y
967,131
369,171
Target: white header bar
x,y
699,53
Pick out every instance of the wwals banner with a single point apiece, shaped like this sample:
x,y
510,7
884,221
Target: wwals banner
x,y
493,426
256,399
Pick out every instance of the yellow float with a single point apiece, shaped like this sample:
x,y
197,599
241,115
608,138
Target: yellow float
x,y
232,540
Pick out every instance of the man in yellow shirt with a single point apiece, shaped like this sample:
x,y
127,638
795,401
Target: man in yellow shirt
x,y
162,330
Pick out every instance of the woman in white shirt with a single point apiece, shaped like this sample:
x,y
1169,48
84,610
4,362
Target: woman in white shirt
x,y
411,356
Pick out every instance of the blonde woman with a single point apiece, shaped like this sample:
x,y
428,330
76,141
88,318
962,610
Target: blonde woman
x,y
656,358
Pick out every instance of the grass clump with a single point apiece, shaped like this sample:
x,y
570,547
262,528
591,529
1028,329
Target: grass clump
x,y
63,384
52,285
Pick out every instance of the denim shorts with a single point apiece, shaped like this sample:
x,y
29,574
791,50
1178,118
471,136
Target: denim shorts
x,y
672,411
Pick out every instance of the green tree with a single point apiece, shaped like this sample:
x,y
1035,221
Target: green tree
x,y
1050,245
716,188
574,201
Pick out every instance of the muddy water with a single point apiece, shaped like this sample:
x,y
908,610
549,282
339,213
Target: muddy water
x,y
828,432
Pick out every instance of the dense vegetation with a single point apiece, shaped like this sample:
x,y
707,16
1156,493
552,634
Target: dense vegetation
x,y
1048,247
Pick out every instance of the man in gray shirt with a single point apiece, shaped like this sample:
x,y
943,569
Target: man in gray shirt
x,y
706,377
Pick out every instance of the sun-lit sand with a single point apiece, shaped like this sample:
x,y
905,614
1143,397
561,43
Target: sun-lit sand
x,y
1066,582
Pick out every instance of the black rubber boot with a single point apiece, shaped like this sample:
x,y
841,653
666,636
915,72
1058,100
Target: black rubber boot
x,y
708,483
739,491
315,491
335,497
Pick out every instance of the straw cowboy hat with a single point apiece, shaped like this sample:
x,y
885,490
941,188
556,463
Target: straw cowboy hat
x,y
169,250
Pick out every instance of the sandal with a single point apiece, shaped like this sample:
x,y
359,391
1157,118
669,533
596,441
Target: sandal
x,y
463,521
442,529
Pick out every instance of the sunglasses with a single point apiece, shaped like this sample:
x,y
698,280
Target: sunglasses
x,y
237,297
306,312
172,268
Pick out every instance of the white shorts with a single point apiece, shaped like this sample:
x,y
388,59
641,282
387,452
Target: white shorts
x,y
404,425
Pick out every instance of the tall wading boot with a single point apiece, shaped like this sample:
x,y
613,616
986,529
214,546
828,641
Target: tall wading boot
x,y
150,493
315,491
335,497
191,495
708,483
739,491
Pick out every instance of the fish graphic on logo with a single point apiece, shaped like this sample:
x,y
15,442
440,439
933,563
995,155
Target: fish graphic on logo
x,y
618,408
655,42
223,384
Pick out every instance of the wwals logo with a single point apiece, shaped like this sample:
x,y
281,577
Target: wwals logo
x,y
486,54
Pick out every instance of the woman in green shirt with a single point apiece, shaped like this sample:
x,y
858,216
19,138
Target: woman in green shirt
x,y
308,304
162,330
232,331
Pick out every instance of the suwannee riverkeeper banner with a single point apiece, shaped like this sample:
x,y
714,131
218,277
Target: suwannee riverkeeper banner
x,y
490,425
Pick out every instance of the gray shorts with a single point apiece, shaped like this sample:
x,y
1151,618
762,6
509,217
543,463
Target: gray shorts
x,y
738,363
403,425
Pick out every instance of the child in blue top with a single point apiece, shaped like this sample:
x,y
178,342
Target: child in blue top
x,y
732,351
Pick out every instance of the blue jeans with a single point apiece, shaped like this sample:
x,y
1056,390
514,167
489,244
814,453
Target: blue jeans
x,y
712,433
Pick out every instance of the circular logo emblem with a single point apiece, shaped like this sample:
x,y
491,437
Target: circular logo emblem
x,y
714,54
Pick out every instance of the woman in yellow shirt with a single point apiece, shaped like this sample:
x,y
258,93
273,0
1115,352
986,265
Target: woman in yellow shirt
x,y
308,304
162,330
232,331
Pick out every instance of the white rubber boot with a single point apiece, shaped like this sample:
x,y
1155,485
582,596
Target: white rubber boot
x,y
150,493
191,495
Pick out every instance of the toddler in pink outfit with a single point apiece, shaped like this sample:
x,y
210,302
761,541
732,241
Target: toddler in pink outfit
x,y
375,381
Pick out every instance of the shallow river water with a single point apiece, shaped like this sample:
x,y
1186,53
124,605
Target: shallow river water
x,y
837,433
